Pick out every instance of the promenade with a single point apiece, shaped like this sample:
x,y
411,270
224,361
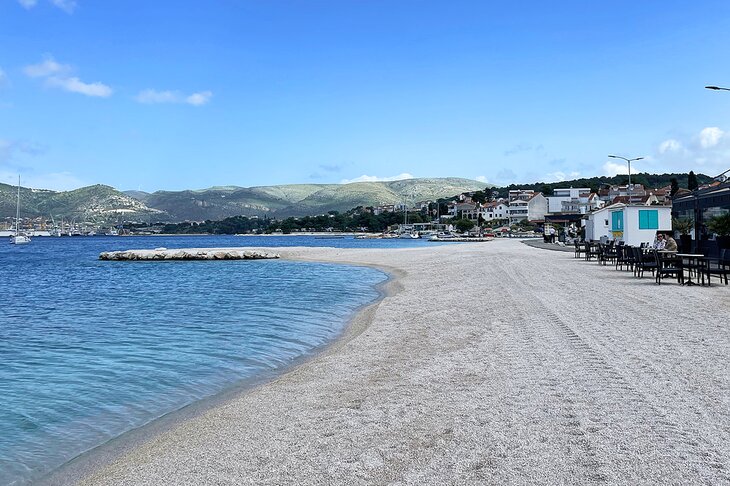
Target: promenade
x,y
487,363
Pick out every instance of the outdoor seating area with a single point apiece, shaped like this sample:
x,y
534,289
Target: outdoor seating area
x,y
663,265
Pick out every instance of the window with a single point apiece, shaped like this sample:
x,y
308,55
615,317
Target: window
x,y
648,219
617,221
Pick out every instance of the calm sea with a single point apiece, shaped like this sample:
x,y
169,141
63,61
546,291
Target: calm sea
x,y
92,349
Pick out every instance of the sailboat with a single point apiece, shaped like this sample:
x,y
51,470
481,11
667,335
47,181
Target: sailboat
x,y
407,235
18,238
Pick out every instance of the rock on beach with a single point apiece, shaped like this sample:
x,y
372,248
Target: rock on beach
x,y
188,254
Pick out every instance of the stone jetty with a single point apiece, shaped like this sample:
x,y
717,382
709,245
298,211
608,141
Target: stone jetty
x,y
189,254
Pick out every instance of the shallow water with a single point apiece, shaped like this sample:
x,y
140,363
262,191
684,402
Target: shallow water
x,y
91,349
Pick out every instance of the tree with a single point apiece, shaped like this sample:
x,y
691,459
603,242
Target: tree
x,y
464,225
479,197
675,186
692,181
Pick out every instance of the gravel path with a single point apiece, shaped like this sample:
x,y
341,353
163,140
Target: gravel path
x,y
492,363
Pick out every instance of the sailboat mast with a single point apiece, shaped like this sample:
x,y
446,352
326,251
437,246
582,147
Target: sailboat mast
x,y
17,211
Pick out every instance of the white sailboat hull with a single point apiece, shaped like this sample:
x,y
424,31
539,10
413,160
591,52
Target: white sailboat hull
x,y
20,240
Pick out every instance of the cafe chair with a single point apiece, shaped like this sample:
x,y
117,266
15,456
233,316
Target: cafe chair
x,y
719,267
667,265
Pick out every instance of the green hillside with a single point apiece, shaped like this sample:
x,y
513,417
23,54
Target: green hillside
x,y
297,199
96,203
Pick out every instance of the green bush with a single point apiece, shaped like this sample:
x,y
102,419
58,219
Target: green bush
x,y
720,225
683,225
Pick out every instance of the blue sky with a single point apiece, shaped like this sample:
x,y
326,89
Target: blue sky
x,y
178,95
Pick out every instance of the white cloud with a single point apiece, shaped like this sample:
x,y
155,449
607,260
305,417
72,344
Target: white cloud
x,y
560,176
670,145
151,96
614,168
710,136
481,179
67,6
28,4
75,85
57,75
367,178
199,99
707,151
46,68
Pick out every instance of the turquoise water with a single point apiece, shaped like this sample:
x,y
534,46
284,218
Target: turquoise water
x,y
92,349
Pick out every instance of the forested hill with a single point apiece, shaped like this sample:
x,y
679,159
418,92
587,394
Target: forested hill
x,y
594,183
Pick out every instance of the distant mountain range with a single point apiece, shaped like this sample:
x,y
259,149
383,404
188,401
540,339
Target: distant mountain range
x,y
104,204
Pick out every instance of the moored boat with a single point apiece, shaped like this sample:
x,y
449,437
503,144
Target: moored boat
x,y
19,238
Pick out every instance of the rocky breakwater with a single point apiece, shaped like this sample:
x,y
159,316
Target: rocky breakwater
x,y
188,254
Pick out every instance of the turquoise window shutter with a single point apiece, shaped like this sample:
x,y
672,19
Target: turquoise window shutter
x,y
617,221
648,219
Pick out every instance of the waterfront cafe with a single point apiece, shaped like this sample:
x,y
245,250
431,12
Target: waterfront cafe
x,y
631,223
701,206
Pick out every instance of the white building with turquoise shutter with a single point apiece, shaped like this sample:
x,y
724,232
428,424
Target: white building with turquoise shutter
x,y
631,223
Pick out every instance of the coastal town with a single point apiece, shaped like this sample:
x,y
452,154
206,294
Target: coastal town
x,y
364,243
570,212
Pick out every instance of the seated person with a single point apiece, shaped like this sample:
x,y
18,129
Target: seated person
x,y
660,242
670,244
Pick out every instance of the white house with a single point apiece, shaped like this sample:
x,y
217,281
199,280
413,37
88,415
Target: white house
x,y
495,210
568,194
631,223
526,205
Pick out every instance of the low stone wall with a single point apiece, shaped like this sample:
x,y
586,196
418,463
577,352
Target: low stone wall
x,y
188,254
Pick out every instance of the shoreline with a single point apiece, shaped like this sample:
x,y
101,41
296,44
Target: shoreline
x,y
487,364
102,455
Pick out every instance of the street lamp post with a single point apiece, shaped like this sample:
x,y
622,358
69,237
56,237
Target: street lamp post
x,y
629,162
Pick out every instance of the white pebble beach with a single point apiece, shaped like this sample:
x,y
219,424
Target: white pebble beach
x,y
484,363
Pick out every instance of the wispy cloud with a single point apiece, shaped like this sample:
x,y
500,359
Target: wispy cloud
x,y
3,78
151,96
58,75
481,179
330,167
505,177
67,6
28,4
9,149
47,67
523,147
75,85
368,178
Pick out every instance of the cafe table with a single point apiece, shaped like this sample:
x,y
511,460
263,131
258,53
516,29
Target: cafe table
x,y
693,261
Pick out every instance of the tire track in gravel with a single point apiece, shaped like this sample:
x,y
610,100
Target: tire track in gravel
x,y
679,338
605,398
